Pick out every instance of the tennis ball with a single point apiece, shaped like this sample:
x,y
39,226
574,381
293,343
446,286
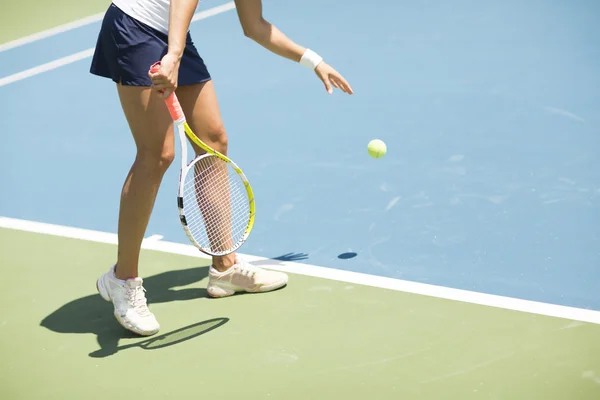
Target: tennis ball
x,y
377,148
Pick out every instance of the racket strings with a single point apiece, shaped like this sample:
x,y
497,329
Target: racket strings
x,y
238,196
211,227
219,239
216,205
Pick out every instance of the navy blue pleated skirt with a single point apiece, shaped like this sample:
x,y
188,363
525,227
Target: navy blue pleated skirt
x,y
126,48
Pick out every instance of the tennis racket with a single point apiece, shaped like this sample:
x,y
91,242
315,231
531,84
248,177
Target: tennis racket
x,y
214,198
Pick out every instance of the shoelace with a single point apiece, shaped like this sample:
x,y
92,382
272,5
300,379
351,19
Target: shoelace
x,y
138,300
247,269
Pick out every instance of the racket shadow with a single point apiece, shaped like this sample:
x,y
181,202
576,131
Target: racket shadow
x,y
171,338
92,315
291,257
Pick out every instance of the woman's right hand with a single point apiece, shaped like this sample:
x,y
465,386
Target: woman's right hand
x,y
164,81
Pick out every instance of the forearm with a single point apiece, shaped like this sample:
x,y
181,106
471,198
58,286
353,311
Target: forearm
x,y
271,38
180,17
264,33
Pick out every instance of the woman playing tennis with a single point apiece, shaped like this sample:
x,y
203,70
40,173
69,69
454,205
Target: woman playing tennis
x,y
134,35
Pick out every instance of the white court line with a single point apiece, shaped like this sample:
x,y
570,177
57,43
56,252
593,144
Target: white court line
x,y
508,303
46,67
51,32
90,52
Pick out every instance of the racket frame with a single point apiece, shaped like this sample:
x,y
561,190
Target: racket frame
x,y
183,129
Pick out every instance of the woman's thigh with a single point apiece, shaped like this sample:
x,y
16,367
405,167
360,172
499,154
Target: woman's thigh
x,y
200,105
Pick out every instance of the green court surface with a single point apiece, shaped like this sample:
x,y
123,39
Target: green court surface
x,y
24,17
315,339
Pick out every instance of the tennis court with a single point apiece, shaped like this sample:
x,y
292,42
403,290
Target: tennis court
x,y
462,265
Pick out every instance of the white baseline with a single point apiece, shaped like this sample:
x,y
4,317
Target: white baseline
x,y
508,303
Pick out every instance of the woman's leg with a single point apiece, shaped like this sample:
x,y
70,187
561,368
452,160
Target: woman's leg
x,y
228,274
200,105
152,131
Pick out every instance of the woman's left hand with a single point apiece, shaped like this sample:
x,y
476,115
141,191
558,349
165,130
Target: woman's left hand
x,y
331,77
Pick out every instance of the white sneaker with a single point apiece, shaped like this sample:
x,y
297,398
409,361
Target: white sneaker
x,y
130,303
243,277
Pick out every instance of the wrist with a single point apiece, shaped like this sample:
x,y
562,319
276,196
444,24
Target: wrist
x,y
310,59
175,53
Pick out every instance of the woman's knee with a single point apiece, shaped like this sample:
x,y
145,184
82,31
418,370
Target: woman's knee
x,y
156,160
217,137
151,127
200,102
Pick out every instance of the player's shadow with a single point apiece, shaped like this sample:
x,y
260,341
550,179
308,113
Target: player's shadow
x,y
91,314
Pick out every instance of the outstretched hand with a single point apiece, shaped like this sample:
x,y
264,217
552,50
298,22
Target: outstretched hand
x,y
330,77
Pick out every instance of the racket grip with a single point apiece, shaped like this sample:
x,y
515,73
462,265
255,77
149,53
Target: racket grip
x,y
172,101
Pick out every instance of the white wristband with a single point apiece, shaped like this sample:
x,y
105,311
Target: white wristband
x,y
310,59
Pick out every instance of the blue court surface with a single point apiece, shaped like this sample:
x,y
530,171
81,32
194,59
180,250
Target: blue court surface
x,y
490,111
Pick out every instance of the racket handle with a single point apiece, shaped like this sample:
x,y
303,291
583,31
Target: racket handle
x,y
172,101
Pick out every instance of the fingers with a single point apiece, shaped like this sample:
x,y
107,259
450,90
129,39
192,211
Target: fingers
x,y
337,82
163,93
166,93
327,84
164,80
162,84
331,77
340,83
162,87
161,80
